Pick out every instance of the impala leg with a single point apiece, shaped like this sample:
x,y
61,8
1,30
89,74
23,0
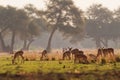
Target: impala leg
x,y
22,59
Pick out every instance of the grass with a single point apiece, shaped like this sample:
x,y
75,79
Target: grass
x,y
56,70
68,67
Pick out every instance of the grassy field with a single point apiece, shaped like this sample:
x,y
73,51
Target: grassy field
x,y
34,69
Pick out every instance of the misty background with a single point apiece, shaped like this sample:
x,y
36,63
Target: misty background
x,y
61,24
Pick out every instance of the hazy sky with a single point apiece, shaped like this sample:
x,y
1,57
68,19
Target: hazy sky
x,y
83,4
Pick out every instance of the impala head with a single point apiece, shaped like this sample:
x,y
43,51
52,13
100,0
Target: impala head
x,y
70,48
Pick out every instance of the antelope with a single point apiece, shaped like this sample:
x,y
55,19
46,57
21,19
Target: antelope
x,y
16,55
92,57
67,53
79,55
105,52
64,49
44,54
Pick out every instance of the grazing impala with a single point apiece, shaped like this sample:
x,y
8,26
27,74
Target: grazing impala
x,y
44,54
106,52
16,55
79,56
92,58
67,53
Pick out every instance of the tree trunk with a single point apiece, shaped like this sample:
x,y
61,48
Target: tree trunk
x,y
48,48
2,40
12,41
116,42
2,43
105,42
24,45
98,44
28,45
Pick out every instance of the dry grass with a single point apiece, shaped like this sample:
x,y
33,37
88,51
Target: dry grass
x,y
55,54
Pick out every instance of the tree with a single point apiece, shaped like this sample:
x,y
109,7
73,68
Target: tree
x,y
19,22
115,27
99,20
12,21
31,33
19,18
22,23
36,26
64,16
3,26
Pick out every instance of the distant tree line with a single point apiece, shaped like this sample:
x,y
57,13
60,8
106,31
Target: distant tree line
x,y
98,23
103,25
18,23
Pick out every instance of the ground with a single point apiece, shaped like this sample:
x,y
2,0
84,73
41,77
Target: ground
x,y
56,70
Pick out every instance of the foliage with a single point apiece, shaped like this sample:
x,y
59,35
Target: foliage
x,y
19,23
99,20
64,16
13,21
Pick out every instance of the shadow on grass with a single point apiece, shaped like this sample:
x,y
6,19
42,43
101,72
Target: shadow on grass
x,y
94,75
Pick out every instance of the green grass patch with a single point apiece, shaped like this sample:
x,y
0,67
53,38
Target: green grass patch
x,y
55,69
